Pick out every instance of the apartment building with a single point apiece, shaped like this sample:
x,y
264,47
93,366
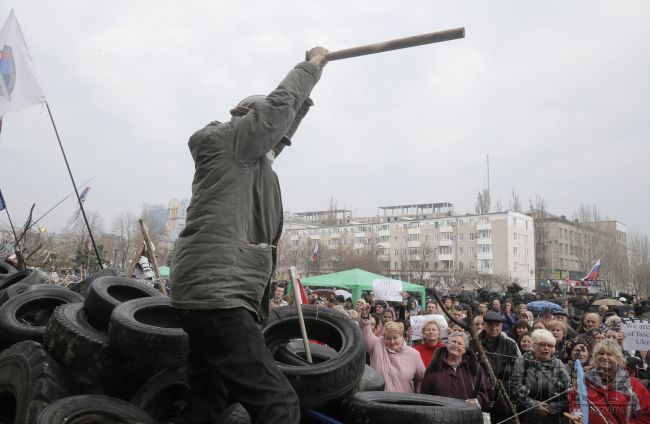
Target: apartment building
x,y
423,243
567,248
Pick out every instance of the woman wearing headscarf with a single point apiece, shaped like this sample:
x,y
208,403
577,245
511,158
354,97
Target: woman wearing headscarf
x,y
455,372
540,382
399,364
613,396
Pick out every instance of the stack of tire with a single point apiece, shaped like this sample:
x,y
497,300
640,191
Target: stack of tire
x,y
109,349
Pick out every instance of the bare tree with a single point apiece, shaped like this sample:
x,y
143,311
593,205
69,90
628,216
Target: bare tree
x,y
599,239
539,215
126,234
482,204
639,247
514,205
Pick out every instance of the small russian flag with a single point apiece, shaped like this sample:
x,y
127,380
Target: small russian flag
x,y
594,273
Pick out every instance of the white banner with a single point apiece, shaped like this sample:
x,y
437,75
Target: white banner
x,y
637,335
389,290
417,322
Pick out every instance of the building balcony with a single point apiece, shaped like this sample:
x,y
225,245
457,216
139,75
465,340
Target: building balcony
x,y
445,242
484,240
447,229
413,244
446,257
413,231
480,256
483,226
383,258
358,246
485,271
415,258
383,245
383,233
294,238
335,236
314,237
362,235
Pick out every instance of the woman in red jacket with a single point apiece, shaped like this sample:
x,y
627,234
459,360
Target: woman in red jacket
x,y
613,396
430,341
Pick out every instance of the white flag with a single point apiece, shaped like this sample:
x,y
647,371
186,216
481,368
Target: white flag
x,y
19,87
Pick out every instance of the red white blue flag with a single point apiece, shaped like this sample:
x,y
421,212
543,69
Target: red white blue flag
x,y
594,273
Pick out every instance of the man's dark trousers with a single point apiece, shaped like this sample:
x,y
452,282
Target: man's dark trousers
x,y
229,360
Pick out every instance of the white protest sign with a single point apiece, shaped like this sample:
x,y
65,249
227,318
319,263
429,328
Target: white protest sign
x,y
637,334
417,322
389,290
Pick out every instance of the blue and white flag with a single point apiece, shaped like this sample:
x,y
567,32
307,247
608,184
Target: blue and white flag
x,y
582,391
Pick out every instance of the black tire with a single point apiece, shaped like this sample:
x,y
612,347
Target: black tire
x,y
29,381
387,407
236,414
82,286
105,293
163,395
293,353
25,316
371,381
146,329
93,409
6,269
12,291
72,341
26,276
327,382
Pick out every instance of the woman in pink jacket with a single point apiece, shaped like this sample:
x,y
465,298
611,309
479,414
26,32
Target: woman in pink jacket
x,y
399,364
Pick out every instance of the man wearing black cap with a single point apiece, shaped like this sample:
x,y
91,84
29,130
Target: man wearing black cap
x,y
502,352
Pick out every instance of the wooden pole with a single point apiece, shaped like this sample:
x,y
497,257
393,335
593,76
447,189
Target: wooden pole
x,y
400,43
297,299
151,254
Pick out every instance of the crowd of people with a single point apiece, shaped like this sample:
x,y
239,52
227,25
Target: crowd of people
x,y
532,354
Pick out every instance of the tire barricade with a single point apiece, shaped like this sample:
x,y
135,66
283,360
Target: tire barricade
x,y
111,347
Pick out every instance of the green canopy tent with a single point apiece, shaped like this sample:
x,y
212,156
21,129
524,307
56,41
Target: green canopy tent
x,y
164,271
355,281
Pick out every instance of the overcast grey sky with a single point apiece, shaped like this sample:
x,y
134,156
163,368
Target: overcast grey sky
x,y
557,93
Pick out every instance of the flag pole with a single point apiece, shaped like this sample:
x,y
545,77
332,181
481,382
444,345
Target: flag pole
x,y
51,209
81,206
19,256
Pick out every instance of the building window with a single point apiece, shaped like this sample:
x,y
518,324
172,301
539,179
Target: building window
x,y
485,248
514,236
471,250
460,265
461,236
514,251
472,265
396,265
460,251
460,222
472,236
